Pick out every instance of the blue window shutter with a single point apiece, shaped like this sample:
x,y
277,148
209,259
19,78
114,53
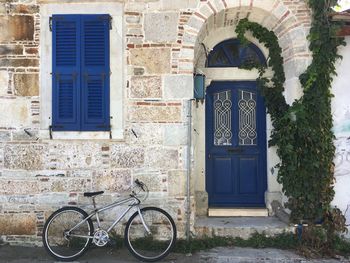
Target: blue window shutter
x,y
95,72
66,72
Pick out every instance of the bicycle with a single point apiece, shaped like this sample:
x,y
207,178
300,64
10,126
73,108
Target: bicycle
x,y
149,235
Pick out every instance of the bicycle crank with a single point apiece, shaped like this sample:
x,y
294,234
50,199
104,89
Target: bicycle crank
x,y
101,238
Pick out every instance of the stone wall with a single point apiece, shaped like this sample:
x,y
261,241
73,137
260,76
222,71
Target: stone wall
x,y
38,175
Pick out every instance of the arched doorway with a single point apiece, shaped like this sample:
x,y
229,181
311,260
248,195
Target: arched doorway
x,y
235,126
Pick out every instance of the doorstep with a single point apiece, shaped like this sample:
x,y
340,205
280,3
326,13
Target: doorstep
x,y
242,227
253,212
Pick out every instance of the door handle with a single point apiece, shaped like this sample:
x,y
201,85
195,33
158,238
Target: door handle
x,y
235,150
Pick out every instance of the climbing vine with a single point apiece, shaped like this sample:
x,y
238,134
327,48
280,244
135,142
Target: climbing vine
x,y
303,131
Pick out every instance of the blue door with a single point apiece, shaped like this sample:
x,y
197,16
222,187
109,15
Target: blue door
x,y
235,145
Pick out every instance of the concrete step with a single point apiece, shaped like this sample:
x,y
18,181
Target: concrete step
x,y
242,227
254,212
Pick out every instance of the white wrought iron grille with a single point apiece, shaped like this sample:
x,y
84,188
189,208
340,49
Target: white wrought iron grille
x,y
247,118
222,118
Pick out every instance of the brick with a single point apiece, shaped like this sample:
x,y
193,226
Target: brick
x,y
32,51
26,84
19,62
16,28
11,50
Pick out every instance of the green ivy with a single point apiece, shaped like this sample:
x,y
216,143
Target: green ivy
x,y
303,131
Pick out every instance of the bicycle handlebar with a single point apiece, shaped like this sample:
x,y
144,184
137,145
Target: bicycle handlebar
x,y
140,184
141,187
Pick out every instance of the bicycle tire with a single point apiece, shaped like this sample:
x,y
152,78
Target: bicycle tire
x,y
146,247
57,244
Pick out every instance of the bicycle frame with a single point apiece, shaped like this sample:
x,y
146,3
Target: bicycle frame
x,y
134,202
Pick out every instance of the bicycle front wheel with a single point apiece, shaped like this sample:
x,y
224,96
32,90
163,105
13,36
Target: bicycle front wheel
x,y
66,234
155,244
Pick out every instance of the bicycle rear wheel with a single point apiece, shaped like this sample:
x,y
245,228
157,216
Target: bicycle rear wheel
x,y
158,243
60,240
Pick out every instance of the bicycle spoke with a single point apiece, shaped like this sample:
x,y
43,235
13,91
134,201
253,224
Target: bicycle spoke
x,y
156,244
57,233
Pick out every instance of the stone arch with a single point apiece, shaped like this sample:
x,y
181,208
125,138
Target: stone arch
x,y
216,19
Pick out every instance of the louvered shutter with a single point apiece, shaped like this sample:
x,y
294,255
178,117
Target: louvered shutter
x,y
95,72
66,72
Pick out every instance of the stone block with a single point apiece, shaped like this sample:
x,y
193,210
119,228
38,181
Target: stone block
x,y
62,185
4,82
11,50
161,27
280,10
155,180
17,27
112,180
24,156
5,136
178,86
174,4
54,199
20,62
154,60
26,84
23,9
19,187
74,155
21,135
155,114
145,134
124,156
162,158
189,38
175,135
146,87
17,224
187,53
177,183
201,198
2,9
195,23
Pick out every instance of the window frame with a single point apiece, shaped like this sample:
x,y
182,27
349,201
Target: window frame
x,y
117,62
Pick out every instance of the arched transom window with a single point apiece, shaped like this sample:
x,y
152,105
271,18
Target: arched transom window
x,y
231,53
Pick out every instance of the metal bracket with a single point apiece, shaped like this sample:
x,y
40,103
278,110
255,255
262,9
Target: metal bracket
x,y
50,23
110,22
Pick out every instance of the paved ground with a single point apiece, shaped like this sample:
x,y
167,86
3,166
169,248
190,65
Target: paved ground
x,y
12,254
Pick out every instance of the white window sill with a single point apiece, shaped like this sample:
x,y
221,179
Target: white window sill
x,y
71,135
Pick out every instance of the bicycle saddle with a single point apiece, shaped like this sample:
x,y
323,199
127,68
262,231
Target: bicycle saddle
x,y
90,194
